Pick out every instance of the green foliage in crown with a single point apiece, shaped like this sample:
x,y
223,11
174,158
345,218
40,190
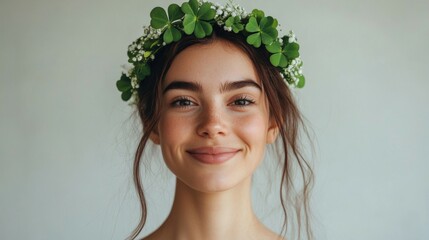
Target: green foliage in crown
x,y
198,18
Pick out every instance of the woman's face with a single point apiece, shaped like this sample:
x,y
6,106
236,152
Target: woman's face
x,y
214,123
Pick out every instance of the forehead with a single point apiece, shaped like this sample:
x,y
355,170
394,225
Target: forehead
x,y
211,64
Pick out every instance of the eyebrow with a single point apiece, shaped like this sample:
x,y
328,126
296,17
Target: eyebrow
x,y
225,87
229,86
191,86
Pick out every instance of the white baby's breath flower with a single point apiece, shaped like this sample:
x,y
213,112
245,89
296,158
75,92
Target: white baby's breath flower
x,y
292,37
127,69
134,82
132,47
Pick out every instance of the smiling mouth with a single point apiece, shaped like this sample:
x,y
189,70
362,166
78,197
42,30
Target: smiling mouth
x,y
213,155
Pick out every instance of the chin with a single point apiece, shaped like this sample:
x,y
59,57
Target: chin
x,y
213,182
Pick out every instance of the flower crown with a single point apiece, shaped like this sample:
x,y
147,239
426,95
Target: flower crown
x,y
198,18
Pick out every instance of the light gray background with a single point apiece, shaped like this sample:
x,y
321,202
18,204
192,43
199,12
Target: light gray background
x,y
66,138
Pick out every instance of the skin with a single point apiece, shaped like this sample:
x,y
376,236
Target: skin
x,y
218,102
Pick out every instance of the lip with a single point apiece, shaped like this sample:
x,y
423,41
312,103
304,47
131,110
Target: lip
x,y
213,155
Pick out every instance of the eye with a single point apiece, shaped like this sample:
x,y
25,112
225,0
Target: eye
x,y
182,102
243,101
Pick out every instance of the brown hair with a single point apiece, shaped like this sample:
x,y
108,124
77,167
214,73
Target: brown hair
x,y
283,110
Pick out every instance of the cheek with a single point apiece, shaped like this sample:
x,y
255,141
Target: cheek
x,y
173,128
252,127
172,132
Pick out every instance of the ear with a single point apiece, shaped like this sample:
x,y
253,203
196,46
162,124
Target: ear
x,y
154,136
273,132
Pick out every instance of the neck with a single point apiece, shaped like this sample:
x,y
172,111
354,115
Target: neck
x,y
220,215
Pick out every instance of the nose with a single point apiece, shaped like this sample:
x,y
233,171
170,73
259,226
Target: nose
x,y
212,123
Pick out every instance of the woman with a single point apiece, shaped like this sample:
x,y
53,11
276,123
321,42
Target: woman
x,y
212,97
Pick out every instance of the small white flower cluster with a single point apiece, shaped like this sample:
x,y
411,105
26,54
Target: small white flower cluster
x,y
292,37
150,33
294,71
128,69
229,10
136,48
134,83
134,98
228,29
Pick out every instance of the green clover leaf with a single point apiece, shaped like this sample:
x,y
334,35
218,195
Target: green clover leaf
x,y
142,70
206,12
301,81
278,58
190,7
124,86
282,55
263,31
254,39
235,23
291,50
252,25
197,19
258,14
174,12
126,95
160,20
171,34
124,83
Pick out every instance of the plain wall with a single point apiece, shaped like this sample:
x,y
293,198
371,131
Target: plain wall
x,y
67,140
